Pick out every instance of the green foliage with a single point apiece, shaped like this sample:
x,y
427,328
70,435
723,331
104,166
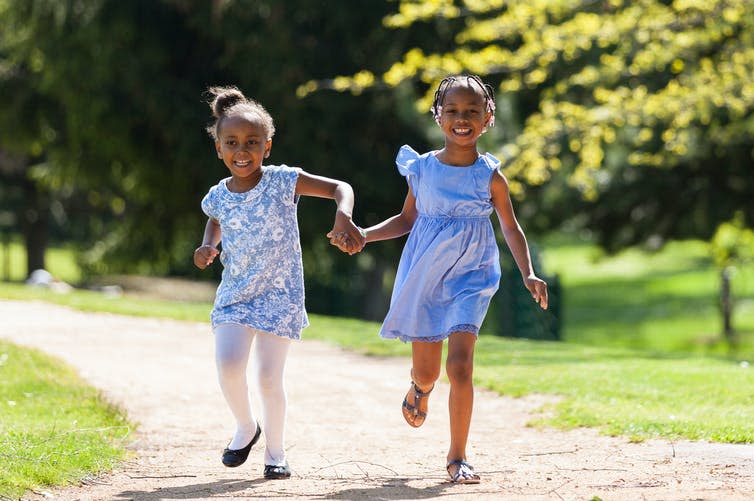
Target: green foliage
x,y
54,429
108,95
636,115
733,242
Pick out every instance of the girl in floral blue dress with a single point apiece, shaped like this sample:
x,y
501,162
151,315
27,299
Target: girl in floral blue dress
x,y
260,299
450,268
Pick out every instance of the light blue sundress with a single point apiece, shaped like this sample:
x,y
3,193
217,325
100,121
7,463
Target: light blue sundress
x,y
262,284
450,266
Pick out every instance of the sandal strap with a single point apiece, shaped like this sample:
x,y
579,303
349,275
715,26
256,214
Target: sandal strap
x,y
418,391
458,462
465,470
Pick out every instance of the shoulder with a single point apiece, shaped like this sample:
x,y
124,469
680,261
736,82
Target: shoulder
x,y
282,175
499,188
216,190
281,170
490,161
212,201
409,160
281,181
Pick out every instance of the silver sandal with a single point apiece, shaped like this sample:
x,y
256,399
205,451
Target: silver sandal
x,y
464,474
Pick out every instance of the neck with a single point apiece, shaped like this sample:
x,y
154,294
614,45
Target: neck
x,y
243,184
453,154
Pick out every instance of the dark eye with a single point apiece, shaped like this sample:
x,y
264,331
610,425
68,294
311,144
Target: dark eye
x,y
230,142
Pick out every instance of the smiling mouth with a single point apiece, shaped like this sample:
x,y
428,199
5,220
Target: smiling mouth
x,y
462,131
241,163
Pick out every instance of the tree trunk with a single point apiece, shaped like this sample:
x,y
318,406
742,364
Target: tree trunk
x,y
726,307
375,300
35,225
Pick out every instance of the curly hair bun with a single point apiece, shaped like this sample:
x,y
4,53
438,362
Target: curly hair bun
x,y
224,98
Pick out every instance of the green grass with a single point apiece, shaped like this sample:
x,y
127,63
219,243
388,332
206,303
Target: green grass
x,y
620,391
86,300
662,301
54,429
59,260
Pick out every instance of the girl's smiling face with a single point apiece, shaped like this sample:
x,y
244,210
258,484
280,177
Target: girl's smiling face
x,y
242,145
463,115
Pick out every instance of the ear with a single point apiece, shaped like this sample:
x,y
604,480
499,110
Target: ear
x,y
268,148
218,149
487,120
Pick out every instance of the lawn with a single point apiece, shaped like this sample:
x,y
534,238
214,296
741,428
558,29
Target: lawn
x,y
658,301
54,428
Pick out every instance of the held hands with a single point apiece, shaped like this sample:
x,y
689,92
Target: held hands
x,y
204,255
538,289
346,236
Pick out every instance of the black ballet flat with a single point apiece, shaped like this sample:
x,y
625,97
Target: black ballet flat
x,y
277,472
237,457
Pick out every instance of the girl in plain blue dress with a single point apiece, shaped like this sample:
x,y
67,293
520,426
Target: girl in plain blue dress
x,y
450,266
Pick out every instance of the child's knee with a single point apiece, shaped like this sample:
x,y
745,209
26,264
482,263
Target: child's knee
x,y
269,382
459,369
230,365
425,376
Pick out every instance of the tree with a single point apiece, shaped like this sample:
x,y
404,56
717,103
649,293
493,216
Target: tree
x,y
632,118
732,244
113,91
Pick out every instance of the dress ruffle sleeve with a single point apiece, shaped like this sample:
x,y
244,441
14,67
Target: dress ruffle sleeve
x,y
408,165
492,161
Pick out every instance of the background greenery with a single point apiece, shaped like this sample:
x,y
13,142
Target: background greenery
x,y
629,119
624,126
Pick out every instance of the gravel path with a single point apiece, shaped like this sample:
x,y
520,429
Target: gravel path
x,y
346,436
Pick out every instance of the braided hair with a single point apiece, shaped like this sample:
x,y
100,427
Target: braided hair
x,y
229,101
471,81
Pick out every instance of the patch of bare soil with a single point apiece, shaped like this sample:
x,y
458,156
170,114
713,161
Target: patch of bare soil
x,y
346,436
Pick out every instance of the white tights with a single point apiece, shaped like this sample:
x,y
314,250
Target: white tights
x,y
232,347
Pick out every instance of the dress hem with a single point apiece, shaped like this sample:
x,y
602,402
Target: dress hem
x,y
473,329
290,335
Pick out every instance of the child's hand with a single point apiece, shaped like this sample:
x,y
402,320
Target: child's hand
x,y
355,236
204,255
538,289
341,241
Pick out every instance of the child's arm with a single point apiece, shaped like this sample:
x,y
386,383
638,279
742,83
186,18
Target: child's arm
x,y
515,238
206,253
342,193
396,226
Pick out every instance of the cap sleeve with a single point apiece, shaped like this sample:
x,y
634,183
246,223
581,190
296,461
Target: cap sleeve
x,y
209,203
492,161
290,177
407,162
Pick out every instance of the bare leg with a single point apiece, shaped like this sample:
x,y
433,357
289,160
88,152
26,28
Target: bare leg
x,y
427,358
460,367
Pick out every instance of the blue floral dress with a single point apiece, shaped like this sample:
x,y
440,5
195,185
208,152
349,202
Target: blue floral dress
x,y
450,266
262,283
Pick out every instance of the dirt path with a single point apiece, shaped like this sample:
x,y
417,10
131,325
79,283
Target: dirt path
x,y
346,436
